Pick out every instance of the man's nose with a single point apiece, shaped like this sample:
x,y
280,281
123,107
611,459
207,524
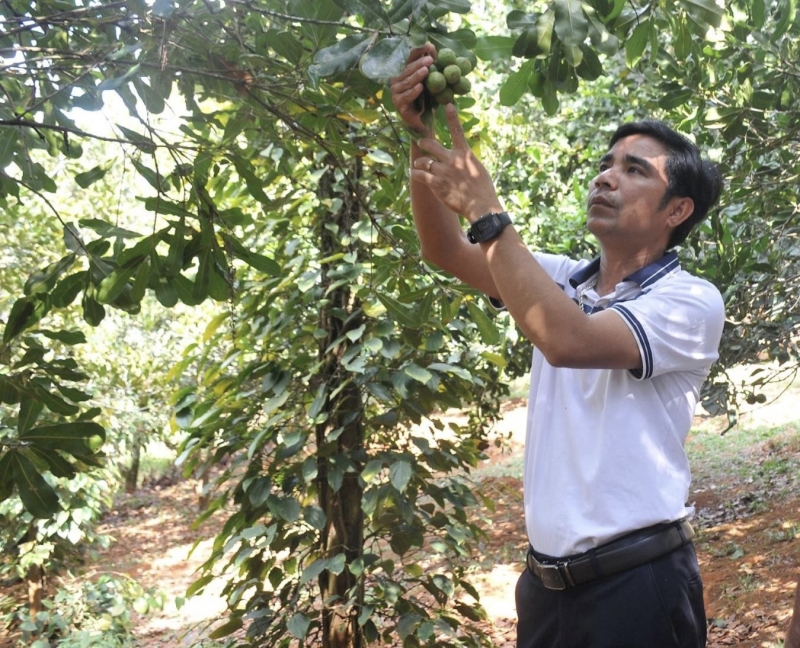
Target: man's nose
x,y
606,178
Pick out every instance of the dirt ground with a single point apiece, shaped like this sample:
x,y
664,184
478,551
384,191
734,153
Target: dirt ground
x,y
748,544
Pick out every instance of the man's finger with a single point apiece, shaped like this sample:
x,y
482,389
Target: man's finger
x,y
418,52
456,132
433,148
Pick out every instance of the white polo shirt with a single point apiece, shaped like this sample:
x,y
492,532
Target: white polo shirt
x,y
604,448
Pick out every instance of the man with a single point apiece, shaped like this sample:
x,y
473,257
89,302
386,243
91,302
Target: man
x,y
622,346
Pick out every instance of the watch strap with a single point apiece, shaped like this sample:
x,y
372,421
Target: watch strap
x,y
488,226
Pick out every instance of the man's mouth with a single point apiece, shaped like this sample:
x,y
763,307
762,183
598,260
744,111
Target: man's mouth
x,y
600,200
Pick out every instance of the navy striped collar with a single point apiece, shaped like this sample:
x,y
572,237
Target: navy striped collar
x,y
644,276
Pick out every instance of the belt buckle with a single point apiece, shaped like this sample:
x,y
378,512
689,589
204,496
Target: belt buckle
x,y
556,577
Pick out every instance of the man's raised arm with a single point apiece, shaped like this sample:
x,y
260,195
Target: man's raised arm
x,y
442,238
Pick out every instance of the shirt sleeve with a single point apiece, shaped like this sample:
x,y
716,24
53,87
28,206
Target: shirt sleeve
x,y
558,267
677,325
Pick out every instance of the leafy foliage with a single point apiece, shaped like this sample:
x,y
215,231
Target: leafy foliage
x,y
277,194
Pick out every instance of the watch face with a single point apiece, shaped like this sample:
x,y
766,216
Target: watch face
x,y
484,230
487,227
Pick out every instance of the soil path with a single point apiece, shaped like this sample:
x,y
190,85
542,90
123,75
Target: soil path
x,y
748,523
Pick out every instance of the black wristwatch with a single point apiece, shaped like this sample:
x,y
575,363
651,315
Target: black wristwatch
x,y
488,227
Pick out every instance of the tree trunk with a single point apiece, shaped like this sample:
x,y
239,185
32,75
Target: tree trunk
x,y
344,530
793,636
132,475
34,578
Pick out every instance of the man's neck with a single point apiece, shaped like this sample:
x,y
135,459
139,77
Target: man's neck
x,y
614,269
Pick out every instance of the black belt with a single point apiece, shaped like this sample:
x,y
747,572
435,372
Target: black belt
x,y
624,553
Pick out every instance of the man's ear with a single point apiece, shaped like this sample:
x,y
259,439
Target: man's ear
x,y
679,210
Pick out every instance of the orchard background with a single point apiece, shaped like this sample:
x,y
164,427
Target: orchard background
x,y
208,254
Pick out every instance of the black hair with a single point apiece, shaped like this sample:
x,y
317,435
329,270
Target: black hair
x,y
688,174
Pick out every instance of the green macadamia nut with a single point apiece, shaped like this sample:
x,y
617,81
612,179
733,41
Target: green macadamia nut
x,y
452,73
445,57
446,96
435,82
446,76
464,64
462,86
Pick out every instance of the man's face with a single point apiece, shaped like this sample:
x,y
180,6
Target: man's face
x,y
625,196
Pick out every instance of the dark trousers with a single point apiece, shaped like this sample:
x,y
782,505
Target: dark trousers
x,y
656,605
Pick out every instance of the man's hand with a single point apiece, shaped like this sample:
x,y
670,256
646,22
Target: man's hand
x,y
407,87
456,177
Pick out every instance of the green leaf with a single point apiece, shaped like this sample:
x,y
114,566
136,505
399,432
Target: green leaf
x,y
163,9
298,625
602,40
550,98
287,508
68,289
227,628
707,10
93,312
9,140
315,517
571,25
6,475
490,334
29,410
91,176
143,143
494,48
199,584
150,96
53,402
400,474
112,286
67,337
313,570
153,178
59,466
401,313
44,280
339,57
116,82
371,10
8,391
253,259
417,373
573,55
371,470
787,13
452,6
285,44
634,46
757,12
675,97
515,85
80,438
386,59
25,312
141,281
536,40
37,496
590,67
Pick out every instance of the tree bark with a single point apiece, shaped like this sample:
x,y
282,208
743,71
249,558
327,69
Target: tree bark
x,y
342,594
132,475
793,636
